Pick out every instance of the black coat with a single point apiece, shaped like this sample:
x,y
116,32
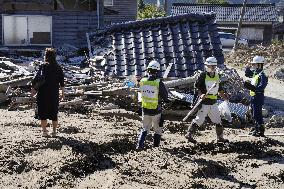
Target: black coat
x,y
48,93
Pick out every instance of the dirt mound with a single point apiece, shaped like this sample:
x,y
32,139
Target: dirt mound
x,y
210,169
14,166
274,55
276,121
255,149
278,177
70,130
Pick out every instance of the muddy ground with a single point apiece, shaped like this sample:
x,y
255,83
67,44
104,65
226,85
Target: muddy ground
x,y
97,150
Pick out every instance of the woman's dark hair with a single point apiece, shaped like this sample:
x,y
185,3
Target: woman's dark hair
x,y
50,56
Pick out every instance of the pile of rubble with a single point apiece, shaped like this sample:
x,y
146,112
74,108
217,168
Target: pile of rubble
x,y
274,54
87,88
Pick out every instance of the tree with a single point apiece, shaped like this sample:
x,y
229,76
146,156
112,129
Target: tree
x,y
150,11
212,2
141,5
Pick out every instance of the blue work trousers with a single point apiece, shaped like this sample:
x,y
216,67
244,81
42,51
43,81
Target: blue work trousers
x,y
257,102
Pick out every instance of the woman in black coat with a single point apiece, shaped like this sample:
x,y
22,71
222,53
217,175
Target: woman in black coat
x,y
48,93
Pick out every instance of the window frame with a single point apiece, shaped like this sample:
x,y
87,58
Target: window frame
x,y
108,5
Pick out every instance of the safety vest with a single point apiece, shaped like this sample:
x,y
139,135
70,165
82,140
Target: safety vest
x,y
254,82
150,93
208,83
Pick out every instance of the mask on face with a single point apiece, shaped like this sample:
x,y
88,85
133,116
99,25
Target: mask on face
x,y
254,67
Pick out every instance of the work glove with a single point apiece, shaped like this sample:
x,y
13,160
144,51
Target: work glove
x,y
249,86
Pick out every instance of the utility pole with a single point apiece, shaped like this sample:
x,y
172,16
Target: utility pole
x,y
240,24
166,6
158,3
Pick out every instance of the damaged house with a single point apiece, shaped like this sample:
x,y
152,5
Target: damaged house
x,y
41,23
257,22
278,28
126,10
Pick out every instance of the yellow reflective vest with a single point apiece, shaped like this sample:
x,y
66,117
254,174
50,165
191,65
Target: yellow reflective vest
x,y
213,94
150,93
254,82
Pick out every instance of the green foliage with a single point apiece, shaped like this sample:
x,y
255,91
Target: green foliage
x,y
150,11
141,5
276,42
212,1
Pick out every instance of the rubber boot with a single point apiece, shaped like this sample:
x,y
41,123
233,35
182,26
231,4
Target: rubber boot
x,y
141,139
256,132
261,131
157,140
190,132
252,131
219,132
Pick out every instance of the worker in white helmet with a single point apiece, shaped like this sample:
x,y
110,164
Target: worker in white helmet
x,y
209,105
256,85
152,91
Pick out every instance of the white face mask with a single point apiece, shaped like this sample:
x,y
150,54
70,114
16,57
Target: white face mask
x,y
254,67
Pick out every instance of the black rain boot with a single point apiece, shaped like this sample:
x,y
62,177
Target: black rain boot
x,y
256,132
190,132
261,131
157,140
251,131
219,132
141,139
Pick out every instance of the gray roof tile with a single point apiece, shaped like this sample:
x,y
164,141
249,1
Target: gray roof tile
x,y
185,40
230,12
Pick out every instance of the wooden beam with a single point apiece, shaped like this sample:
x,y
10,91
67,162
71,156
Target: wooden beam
x,y
268,134
15,83
75,102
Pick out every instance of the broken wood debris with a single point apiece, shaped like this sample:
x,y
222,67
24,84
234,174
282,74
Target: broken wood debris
x,y
86,85
274,55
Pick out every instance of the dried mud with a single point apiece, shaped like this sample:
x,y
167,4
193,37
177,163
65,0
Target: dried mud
x,y
97,150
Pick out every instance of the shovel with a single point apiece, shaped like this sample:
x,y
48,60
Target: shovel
x,y
199,102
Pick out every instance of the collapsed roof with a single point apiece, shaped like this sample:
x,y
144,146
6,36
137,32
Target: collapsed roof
x,y
184,40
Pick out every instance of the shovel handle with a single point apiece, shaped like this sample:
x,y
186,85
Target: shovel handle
x,y
199,102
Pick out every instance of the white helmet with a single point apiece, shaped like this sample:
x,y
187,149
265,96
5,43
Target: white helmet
x,y
154,65
258,60
211,61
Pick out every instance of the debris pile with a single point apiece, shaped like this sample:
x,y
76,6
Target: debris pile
x,y
233,84
274,55
86,88
277,120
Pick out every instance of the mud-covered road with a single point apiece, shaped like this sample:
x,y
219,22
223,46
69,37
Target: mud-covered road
x,y
97,150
